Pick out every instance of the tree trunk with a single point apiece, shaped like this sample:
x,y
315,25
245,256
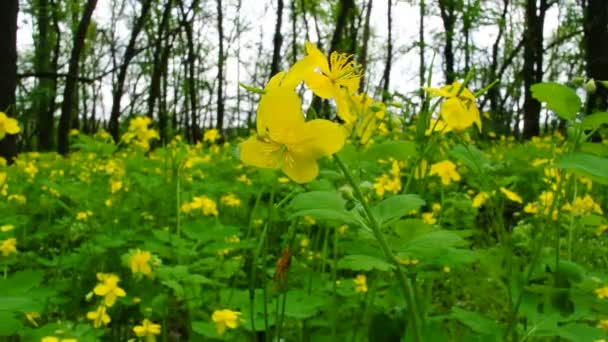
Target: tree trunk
x,y
596,51
421,44
389,53
9,10
194,127
448,17
220,69
277,41
346,9
71,80
533,64
44,90
366,34
130,53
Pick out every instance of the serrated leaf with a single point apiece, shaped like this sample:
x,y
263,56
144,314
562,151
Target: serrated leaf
x,y
476,322
395,207
558,98
595,120
317,200
360,262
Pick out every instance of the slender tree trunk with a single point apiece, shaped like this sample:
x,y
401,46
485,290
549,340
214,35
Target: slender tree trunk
x,y
422,43
366,34
448,17
9,10
277,41
294,32
42,100
533,64
130,53
71,80
195,129
596,51
389,53
501,123
220,68
346,9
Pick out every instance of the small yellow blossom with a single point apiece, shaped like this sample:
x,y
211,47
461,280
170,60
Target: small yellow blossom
x,y
283,180
8,125
140,262
583,206
480,199
204,203
8,246
428,218
108,288
446,170
458,110
147,329
512,196
57,339
602,292
244,179
225,319
115,186
83,215
99,317
342,229
360,283
6,228
17,198
211,135
603,324
230,200
32,317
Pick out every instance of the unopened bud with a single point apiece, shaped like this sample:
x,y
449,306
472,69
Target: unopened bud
x,y
590,86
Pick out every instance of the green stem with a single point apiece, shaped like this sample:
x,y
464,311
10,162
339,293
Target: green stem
x,y
406,287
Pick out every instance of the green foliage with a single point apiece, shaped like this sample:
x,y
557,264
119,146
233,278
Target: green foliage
x,y
559,98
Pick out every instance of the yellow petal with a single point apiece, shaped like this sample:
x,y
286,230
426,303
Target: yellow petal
x,y
343,104
321,85
434,92
275,81
297,73
456,115
260,154
319,138
11,126
300,170
318,58
279,113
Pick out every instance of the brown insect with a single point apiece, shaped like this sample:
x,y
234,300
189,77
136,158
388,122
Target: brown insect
x,y
280,274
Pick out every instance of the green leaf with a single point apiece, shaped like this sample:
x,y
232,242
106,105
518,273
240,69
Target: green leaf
x,y
595,120
302,306
470,156
558,98
395,207
317,200
476,322
399,150
586,165
359,262
341,216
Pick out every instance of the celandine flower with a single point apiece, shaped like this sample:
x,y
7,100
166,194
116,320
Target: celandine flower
x,y
147,329
99,317
458,110
284,140
8,125
338,79
225,319
108,288
139,262
446,170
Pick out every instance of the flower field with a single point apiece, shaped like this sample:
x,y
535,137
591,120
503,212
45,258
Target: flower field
x,y
376,226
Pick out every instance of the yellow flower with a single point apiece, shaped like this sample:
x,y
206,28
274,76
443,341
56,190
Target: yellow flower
x,y
367,111
446,170
108,288
8,125
139,262
603,324
99,317
480,199
57,339
244,179
74,132
285,140
31,317
147,329
458,111
602,292
583,206
115,186
8,246
360,283
211,135
511,195
139,134
230,200
17,198
531,208
6,228
225,319
437,126
204,203
83,215
338,79
428,218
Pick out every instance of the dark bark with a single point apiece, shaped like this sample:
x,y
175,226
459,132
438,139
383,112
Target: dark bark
x,y
277,41
448,16
421,43
389,53
596,51
160,60
130,53
220,68
294,32
533,64
346,8
8,71
366,34
70,90
44,91
195,129
501,121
